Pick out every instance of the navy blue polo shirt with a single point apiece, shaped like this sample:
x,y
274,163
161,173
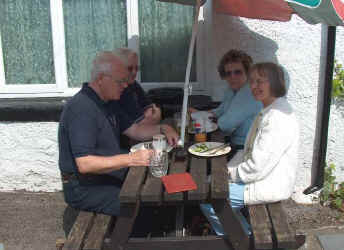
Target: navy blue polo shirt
x,y
89,127
134,102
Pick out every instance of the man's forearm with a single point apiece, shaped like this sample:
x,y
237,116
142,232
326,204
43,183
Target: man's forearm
x,y
102,164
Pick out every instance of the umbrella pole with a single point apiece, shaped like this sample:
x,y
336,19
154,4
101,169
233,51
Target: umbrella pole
x,y
323,114
187,86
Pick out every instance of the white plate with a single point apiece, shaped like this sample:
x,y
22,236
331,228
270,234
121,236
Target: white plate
x,y
210,129
141,146
201,115
223,151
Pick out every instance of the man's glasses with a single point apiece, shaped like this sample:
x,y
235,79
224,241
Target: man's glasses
x,y
131,68
236,72
119,82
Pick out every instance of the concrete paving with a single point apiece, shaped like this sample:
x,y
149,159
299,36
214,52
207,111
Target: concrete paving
x,y
33,221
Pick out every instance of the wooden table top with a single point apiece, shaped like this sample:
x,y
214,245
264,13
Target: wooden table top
x,y
142,186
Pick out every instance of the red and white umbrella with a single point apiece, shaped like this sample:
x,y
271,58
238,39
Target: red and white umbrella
x,y
330,12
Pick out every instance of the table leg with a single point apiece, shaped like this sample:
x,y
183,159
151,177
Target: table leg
x,y
124,226
231,225
180,221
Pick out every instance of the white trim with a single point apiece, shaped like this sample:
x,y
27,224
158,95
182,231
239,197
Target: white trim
x,y
150,85
2,67
133,29
59,52
69,92
133,25
58,36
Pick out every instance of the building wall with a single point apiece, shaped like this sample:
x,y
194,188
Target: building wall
x,y
29,156
29,153
297,46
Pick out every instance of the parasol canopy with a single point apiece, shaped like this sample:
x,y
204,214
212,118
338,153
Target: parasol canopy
x,y
330,12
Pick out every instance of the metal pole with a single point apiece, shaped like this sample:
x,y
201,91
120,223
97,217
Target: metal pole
x,y
324,99
187,86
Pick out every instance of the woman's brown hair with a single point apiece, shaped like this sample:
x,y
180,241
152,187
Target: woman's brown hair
x,y
275,76
234,56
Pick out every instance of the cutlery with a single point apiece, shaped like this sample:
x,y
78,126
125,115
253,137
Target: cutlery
x,y
217,148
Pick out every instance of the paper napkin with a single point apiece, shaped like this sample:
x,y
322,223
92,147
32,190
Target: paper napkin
x,y
178,183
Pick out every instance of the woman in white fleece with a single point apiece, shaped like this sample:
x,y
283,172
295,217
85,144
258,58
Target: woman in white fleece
x,y
265,170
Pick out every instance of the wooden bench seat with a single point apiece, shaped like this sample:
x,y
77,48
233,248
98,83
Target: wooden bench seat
x,y
88,232
271,229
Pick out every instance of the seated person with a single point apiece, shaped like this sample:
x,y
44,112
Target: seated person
x,y
238,108
134,100
265,171
90,159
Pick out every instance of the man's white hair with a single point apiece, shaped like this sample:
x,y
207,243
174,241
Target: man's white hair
x,y
103,63
126,53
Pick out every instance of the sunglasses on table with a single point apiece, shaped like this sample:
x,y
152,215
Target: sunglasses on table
x,y
236,72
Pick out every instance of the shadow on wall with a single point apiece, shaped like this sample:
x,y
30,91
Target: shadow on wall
x,y
230,32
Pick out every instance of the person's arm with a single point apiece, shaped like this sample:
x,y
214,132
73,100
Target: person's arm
x,y
83,132
152,115
273,138
105,164
240,108
143,132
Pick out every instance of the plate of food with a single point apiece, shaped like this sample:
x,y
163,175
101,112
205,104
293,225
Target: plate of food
x,y
209,149
147,144
210,127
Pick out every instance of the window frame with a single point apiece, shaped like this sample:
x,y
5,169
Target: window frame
x,y
61,88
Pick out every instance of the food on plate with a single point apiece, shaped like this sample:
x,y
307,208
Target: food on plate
x,y
200,148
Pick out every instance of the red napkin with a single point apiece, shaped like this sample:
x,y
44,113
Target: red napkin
x,y
178,183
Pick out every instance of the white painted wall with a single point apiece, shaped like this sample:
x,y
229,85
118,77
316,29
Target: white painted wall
x,y
28,151
29,156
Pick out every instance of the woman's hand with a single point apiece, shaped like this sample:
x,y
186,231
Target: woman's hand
x,y
140,157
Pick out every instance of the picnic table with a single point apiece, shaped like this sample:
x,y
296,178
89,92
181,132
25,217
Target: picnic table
x,y
270,227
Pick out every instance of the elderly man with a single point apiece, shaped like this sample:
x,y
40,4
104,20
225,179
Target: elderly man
x,y
90,159
134,99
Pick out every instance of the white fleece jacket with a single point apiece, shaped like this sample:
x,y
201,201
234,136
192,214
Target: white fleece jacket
x,y
269,170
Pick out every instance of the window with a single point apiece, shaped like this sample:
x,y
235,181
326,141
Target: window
x,y
47,46
164,29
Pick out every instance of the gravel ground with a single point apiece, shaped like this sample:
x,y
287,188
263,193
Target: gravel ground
x,y
307,217
33,221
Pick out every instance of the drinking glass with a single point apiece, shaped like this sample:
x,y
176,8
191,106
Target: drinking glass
x,y
159,142
159,163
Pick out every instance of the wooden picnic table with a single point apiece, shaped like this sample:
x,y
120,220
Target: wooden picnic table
x,y
142,189
270,226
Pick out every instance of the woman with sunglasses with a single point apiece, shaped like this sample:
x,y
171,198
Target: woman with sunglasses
x,y
265,171
238,108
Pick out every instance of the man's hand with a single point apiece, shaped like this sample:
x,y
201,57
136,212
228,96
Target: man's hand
x,y
171,135
140,157
152,115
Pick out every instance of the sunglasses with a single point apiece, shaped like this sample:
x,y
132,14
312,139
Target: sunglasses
x,y
237,72
131,68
